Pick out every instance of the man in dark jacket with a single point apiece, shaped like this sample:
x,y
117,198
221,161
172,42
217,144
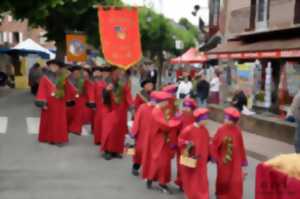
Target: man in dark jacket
x,y
202,91
239,100
35,74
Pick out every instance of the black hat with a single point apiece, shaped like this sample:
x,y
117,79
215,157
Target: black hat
x,y
74,67
103,68
146,81
56,62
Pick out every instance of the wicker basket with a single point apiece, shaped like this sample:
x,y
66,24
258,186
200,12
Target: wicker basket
x,y
130,151
188,161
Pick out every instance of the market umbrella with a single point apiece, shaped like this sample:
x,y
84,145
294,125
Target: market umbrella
x,y
189,57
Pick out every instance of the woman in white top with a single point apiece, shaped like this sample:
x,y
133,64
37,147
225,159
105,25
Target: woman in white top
x,y
184,88
215,89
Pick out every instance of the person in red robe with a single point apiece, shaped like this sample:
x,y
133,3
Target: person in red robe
x,y
144,95
173,102
187,118
90,96
228,152
194,143
54,94
80,114
163,133
140,132
116,100
101,80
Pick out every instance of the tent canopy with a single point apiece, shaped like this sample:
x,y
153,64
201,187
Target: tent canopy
x,y
190,57
30,47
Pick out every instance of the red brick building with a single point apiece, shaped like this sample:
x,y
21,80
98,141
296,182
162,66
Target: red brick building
x,y
12,32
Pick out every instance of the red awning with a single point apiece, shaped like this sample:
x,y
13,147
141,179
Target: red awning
x,y
191,56
272,48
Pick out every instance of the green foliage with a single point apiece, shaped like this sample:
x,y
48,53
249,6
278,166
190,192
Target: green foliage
x,y
60,16
159,33
190,27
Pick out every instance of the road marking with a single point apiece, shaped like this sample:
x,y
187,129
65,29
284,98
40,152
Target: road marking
x,y
3,125
86,130
33,124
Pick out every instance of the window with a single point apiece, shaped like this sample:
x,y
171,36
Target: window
x,y
4,38
216,12
10,37
9,18
20,36
261,10
262,14
16,37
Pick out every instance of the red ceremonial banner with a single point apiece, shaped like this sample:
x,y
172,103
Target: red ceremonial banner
x,y
120,36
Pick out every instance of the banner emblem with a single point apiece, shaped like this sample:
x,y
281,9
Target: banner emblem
x,y
76,47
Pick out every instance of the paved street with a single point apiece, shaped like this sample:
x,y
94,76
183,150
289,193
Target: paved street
x,y
29,170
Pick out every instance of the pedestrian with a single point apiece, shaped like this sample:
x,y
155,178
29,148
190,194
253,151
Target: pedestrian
x,y
295,109
80,114
54,94
239,100
187,118
202,90
228,152
194,143
144,95
215,88
140,132
116,100
10,70
35,74
163,143
184,88
152,74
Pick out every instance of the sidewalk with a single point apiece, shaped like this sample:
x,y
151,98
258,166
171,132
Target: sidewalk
x,y
258,147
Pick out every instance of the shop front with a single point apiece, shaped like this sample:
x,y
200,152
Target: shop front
x,y
267,70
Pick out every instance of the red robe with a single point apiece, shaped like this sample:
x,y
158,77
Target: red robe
x,y
114,123
139,130
162,137
97,122
230,175
80,114
53,124
139,100
187,118
195,180
146,116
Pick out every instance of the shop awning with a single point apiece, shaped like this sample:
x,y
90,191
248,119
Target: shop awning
x,y
191,56
285,48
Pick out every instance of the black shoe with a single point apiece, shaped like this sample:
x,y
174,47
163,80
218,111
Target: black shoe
x,y
135,172
116,155
149,184
106,156
165,189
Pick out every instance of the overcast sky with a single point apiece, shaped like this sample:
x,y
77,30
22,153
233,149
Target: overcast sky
x,y
175,9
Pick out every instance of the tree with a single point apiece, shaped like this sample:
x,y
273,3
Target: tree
x,y
60,16
190,27
158,34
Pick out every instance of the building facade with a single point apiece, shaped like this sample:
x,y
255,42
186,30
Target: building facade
x,y
262,32
13,32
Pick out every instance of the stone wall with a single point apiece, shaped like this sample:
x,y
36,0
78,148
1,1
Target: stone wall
x,y
263,126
